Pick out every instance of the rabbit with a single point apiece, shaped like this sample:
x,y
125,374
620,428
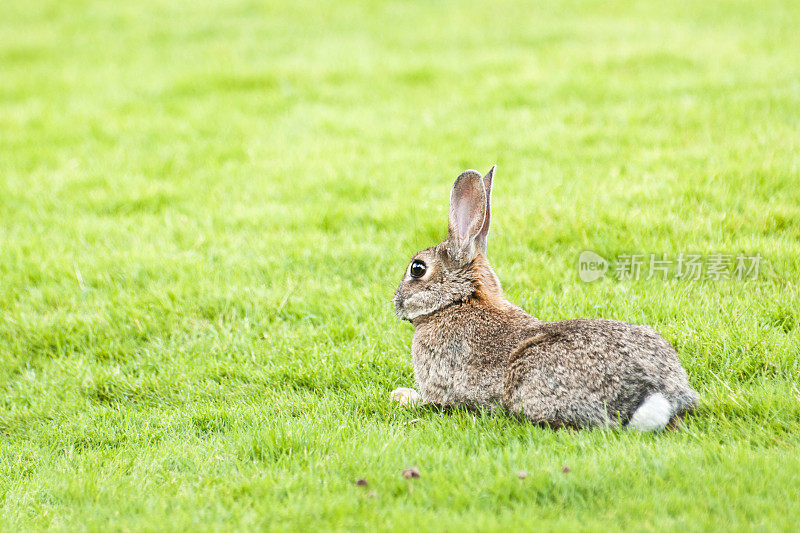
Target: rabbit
x,y
473,347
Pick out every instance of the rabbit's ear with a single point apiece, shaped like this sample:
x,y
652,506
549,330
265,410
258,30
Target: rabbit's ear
x,y
483,235
467,213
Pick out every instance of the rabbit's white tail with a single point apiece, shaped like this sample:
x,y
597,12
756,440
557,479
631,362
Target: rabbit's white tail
x,y
653,415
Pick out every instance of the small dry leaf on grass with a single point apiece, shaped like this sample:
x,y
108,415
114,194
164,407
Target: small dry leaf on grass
x,y
371,495
522,474
411,473
566,470
361,482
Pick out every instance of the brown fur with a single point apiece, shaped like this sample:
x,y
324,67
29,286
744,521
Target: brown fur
x,y
473,347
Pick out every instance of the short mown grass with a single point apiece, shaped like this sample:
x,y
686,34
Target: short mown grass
x,y
205,208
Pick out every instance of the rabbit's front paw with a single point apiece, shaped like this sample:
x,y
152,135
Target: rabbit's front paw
x,y
406,396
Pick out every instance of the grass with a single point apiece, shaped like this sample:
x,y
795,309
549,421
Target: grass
x,y
206,206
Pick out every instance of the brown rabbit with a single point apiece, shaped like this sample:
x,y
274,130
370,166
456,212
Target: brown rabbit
x,y
471,346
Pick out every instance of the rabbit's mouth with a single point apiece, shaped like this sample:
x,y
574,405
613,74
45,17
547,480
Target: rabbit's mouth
x,y
405,308
415,305
399,306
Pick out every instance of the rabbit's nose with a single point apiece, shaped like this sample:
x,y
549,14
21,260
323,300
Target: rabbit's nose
x,y
398,300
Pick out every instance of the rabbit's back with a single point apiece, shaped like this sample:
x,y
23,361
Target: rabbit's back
x,y
592,372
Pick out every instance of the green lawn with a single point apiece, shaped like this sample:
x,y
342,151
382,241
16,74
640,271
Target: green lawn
x,y
205,208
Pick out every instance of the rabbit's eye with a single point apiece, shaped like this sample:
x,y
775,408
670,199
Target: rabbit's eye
x,y
417,268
